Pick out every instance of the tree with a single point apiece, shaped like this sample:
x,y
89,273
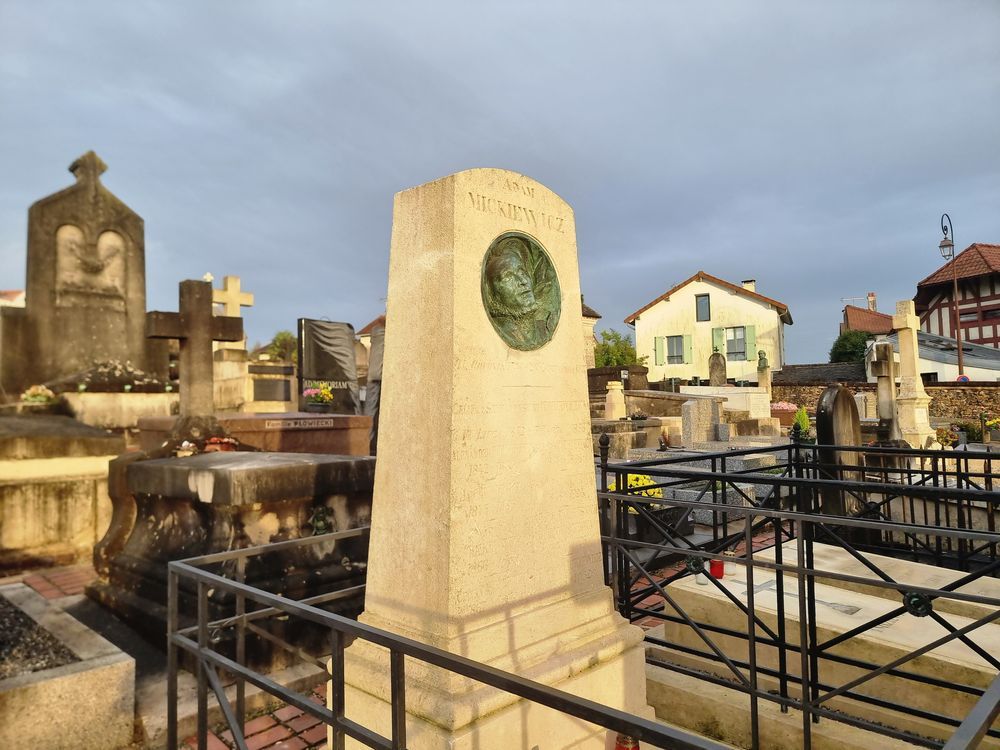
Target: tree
x,y
615,350
850,346
284,347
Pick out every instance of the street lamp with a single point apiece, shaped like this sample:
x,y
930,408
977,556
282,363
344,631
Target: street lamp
x,y
947,248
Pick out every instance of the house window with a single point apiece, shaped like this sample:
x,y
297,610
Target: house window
x,y
702,308
675,350
736,344
969,317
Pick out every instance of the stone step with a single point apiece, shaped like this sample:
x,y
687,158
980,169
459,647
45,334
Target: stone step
x,y
839,611
724,715
828,557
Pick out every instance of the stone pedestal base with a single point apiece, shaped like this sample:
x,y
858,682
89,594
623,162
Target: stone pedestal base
x,y
597,660
913,421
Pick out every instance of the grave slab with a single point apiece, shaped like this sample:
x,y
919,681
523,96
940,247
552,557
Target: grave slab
x,y
835,559
839,611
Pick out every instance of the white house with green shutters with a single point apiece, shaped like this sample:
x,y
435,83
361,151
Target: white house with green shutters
x,y
678,331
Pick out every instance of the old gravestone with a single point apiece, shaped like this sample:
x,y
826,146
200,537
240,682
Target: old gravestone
x,y
717,368
326,361
86,286
496,468
837,424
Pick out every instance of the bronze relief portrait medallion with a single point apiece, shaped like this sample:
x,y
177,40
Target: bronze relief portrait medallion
x,y
521,291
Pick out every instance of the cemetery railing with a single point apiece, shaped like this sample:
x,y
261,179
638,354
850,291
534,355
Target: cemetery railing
x,y
783,519
199,639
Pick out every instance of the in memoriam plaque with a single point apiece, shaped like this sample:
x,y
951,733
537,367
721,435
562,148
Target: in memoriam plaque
x,y
520,291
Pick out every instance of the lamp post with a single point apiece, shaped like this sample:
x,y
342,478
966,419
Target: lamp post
x,y
947,248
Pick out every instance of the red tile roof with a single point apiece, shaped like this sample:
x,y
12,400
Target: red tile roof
x,y
379,322
978,259
782,308
863,319
11,294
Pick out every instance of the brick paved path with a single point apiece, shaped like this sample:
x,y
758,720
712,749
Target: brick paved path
x,y
286,728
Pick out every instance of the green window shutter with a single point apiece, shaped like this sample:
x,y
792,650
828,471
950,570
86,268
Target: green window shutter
x,y
658,350
750,335
688,356
719,339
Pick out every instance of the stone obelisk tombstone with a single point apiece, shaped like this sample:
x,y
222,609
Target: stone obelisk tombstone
x,y
485,539
913,402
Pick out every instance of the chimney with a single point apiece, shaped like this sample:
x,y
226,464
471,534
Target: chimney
x,y
750,284
871,302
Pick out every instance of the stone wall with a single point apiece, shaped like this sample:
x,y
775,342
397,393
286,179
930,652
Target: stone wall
x,y
598,377
52,511
964,402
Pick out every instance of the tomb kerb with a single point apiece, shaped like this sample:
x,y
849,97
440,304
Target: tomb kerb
x,y
485,539
86,284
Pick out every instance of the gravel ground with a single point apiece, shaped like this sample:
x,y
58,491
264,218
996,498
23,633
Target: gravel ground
x,y
25,646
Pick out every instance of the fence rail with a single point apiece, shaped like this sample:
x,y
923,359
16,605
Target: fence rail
x,y
921,506
198,641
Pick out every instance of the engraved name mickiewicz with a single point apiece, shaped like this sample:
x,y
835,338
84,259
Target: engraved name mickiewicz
x,y
515,212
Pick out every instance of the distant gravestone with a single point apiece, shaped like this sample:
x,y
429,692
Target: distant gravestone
x,y
837,424
326,361
86,285
717,369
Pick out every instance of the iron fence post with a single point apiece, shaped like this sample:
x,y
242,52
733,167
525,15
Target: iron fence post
x,y
202,672
172,739
604,510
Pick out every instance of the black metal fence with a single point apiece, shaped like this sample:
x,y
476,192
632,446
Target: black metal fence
x,y
761,514
756,511
253,607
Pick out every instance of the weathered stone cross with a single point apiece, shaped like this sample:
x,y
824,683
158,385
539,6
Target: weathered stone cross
x,y
196,328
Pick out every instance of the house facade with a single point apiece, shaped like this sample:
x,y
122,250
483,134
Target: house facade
x,y
978,271
679,330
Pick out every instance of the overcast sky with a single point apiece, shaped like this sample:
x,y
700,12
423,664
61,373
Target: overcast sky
x,y
812,146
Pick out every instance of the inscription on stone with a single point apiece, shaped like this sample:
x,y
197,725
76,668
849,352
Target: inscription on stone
x,y
298,424
520,291
514,212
